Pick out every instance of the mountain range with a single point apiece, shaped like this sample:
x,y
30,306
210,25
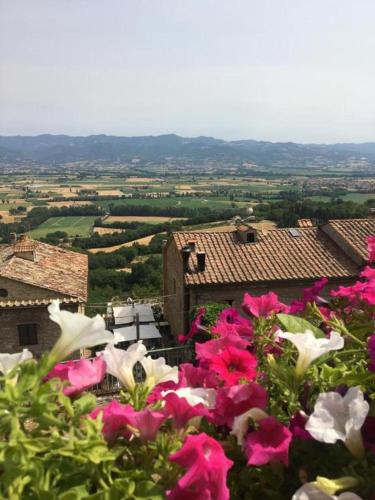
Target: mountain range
x,y
63,149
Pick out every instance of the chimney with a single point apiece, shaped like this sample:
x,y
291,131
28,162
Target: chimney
x,y
191,244
246,233
201,258
13,238
185,252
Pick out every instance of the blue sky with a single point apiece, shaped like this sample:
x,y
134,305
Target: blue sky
x,y
280,70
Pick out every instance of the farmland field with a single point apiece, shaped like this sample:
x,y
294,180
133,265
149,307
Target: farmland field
x,y
175,201
140,218
73,226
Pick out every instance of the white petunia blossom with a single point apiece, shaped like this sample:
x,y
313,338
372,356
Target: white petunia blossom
x,y
339,418
157,371
310,491
195,396
310,348
120,363
240,425
77,331
9,361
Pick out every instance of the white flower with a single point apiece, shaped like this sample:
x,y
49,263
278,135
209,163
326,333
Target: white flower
x,y
9,361
339,418
157,371
120,363
310,348
195,396
77,331
241,423
310,491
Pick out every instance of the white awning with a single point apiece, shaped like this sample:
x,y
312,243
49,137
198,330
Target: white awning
x,y
124,315
129,333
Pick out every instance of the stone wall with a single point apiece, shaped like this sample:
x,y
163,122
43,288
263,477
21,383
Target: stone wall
x,y
47,331
23,291
174,290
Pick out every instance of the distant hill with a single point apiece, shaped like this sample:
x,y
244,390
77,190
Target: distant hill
x,y
64,149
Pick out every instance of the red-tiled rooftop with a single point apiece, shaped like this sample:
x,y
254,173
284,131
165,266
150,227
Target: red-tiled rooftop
x,y
51,267
281,254
355,232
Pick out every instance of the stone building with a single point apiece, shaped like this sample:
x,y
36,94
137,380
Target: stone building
x,y
203,267
31,275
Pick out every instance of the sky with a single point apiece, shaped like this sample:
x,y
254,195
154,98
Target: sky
x,y
279,70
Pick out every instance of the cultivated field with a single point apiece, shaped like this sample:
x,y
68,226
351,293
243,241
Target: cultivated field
x,y
73,226
140,218
141,241
107,230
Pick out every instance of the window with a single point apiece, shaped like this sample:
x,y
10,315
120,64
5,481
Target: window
x,y
229,302
3,292
250,238
27,334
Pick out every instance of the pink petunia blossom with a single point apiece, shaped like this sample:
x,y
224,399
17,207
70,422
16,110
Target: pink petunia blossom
x,y
116,418
354,294
233,365
205,351
196,376
371,352
181,411
80,374
264,305
207,468
233,401
195,327
310,294
371,248
297,426
368,273
147,422
269,443
231,322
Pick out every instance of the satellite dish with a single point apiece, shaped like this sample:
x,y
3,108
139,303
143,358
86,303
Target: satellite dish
x,y
249,210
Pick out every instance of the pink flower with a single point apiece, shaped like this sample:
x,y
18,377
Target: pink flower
x,y
371,352
310,294
116,418
235,400
193,376
269,443
231,322
264,305
368,273
147,422
297,426
233,365
371,248
80,374
181,411
207,468
195,327
215,347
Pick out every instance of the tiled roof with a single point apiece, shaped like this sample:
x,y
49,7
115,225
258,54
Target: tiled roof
x,y
278,255
355,233
4,304
52,268
304,223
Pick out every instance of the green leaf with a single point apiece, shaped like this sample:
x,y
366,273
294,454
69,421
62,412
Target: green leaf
x,y
294,324
85,404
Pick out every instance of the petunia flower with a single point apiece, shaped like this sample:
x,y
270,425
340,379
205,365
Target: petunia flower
x,y
77,331
194,396
80,374
120,363
233,365
206,470
157,371
264,305
116,419
231,322
196,326
297,426
207,350
337,417
10,361
310,348
269,443
368,273
236,400
240,425
310,294
182,410
146,423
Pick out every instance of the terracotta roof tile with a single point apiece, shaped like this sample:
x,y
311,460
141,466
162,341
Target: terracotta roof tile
x,y
276,256
355,232
52,268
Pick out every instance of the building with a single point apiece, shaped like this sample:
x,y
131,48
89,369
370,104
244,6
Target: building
x,y
202,267
32,274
